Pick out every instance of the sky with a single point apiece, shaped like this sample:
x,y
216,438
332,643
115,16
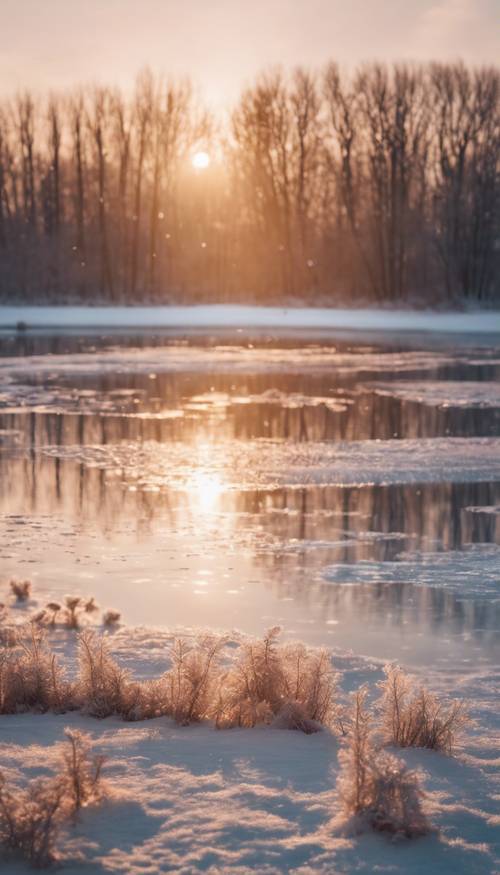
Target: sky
x,y
56,44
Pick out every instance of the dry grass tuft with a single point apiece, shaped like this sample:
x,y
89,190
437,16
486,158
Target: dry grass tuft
x,y
30,676
415,717
191,683
287,684
81,771
31,817
102,683
111,618
21,589
376,790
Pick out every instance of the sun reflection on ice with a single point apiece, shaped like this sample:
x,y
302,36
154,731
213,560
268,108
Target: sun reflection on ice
x,y
205,490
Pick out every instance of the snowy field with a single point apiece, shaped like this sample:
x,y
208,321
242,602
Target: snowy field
x,y
236,316
196,799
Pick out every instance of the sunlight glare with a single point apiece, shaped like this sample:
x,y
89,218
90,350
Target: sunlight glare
x,y
206,489
201,160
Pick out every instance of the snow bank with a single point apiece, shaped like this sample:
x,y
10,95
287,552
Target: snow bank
x,y
238,316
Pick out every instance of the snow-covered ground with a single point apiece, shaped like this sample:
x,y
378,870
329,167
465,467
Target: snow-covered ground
x,y
194,799
238,316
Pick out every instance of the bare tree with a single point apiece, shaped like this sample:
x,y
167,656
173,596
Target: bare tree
x,y
97,121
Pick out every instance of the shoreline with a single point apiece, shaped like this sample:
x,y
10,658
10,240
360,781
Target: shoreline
x,y
239,317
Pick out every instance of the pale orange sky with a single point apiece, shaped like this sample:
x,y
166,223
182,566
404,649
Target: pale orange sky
x,y
47,44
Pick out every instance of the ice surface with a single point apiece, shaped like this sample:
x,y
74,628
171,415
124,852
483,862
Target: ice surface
x,y
471,572
235,464
443,393
222,359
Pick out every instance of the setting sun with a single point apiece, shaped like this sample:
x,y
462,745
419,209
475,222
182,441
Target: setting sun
x,y
200,160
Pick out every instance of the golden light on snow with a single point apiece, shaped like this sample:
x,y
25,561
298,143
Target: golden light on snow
x,y
200,160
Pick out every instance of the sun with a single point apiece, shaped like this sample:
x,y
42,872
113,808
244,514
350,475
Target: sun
x,y
200,160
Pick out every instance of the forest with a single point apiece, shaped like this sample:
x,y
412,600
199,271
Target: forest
x,y
380,185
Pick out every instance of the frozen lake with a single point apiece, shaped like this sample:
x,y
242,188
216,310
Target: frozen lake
x,y
344,488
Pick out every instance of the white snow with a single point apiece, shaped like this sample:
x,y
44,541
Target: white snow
x,y
194,799
238,316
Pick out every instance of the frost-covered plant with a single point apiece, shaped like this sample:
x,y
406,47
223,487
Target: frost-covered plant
x,y
8,636
54,608
311,682
251,691
73,604
111,618
396,805
289,686
30,676
75,608
21,589
414,717
145,699
191,682
375,789
102,684
30,819
80,770
90,606
292,715
40,618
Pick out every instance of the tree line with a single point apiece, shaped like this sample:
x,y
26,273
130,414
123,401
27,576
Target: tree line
x,y
381,185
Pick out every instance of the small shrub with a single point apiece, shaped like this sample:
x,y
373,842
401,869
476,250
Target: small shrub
x,y
54,609
396,805
311,682
30,819
40,618
30,676
292,715
8,637
272,684
145,700
192,681
415,717
75,607
80,771
375,789
71,611
111,618
102,684
90,606
21,589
